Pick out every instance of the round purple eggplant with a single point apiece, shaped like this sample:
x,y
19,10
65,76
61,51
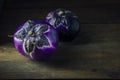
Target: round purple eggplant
x,y
65,22
36,39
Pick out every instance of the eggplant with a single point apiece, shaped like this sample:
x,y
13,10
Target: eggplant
x,y
65,22
36,39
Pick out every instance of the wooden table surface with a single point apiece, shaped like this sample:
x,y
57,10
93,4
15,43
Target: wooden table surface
x,y
94,53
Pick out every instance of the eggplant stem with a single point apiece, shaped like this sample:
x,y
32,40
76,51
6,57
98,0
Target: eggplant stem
x,y
11,36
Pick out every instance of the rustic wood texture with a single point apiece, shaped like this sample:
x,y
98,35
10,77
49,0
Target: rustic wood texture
x,y
94,53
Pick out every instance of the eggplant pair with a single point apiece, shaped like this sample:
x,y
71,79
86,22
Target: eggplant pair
x,y
39,39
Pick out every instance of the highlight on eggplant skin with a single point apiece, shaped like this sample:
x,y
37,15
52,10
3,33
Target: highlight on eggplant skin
x,y
36,39
65,22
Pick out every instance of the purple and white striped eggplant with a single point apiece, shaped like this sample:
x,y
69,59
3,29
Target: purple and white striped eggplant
x,y
65,22
36,39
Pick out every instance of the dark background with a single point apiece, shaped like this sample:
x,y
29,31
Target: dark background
x,y
15,12
94,53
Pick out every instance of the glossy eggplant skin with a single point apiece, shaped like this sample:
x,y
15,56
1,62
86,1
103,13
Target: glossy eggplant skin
x,y
65,22
36,39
